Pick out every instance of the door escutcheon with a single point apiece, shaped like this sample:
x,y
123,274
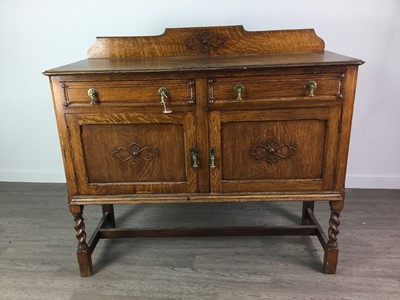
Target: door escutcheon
x,y
212,158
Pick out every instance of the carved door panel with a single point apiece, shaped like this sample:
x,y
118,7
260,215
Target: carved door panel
x,y
133,152
274,150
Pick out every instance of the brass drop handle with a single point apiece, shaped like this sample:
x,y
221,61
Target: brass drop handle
x,y
239,89
193,158
311,86
94,96
212,158
163,93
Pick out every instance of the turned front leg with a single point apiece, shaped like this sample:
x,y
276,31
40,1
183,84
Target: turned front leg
x,y
332,248
83,254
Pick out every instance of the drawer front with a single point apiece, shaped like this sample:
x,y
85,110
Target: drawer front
x,y
87,93
326,86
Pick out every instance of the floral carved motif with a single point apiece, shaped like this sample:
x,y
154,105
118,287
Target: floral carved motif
x,y
205,41
135,153
271,151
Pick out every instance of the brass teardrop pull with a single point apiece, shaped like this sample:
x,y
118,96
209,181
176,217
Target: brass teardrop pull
x,y
163,93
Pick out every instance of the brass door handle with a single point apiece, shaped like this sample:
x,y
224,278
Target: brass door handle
x,y
163,93
239,89
193,158
311,86
94,96
212,158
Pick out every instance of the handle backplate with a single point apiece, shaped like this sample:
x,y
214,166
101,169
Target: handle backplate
x,y
94,96
239,89
311,86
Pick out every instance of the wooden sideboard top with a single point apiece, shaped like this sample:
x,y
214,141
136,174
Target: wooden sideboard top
x,y
202,63
205,48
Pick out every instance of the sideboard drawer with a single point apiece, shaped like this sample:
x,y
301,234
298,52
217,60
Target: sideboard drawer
x,y
325,86
136,92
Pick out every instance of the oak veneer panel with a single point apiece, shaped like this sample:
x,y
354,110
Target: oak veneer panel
x,y
288,86
115,160
131,152
134,92
311,134
207,41
301,143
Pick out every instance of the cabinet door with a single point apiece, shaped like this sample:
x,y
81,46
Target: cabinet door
x,y
133,152
274,150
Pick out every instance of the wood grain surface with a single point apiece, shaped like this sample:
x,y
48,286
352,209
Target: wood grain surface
x,y
203,63
207,41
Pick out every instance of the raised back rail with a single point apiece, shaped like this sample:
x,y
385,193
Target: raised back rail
x,y
202,41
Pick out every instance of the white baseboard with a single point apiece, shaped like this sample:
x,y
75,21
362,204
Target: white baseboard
x,y
372,182
26,176
352,181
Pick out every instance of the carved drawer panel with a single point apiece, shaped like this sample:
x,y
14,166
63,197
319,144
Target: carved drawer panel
x,y
283,150
326,86
136,92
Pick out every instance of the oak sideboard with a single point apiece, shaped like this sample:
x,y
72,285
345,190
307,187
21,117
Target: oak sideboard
x,y
212,114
